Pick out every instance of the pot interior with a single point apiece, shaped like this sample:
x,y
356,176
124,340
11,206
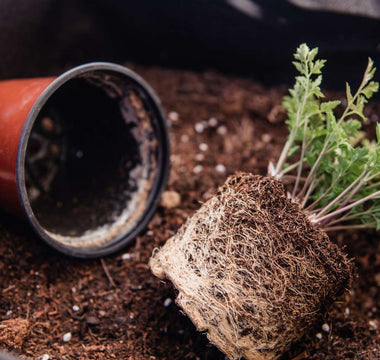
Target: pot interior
x,y
91,159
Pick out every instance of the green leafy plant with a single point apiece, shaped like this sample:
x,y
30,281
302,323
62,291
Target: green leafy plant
x,y
336,170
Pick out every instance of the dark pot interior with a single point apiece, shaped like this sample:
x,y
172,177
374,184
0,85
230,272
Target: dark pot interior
x,y
95,161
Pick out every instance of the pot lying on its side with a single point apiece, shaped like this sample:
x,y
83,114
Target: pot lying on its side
x,y
84,156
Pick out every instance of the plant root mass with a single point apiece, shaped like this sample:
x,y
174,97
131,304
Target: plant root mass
x,y
251,269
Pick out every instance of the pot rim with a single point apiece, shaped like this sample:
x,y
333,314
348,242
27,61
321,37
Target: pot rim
x,y
159,182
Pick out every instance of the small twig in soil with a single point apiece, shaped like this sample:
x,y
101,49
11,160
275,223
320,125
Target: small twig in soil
x,y
109,277
9,288
27,311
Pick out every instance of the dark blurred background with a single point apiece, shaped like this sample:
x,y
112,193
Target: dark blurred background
x,y
243,37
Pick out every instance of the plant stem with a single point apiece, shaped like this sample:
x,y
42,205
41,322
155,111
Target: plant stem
x,y
291,177
347,227
340,196
327,142
348,217
373,185
356,189
313,168
312,205
284,154
288,169
299,171
326,218
290,141
310,190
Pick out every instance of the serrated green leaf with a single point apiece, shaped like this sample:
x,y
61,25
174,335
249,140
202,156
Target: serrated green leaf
x,y
369,72
348,93
352,127
316,69
299,66
302,52
312,54
370,89
329,106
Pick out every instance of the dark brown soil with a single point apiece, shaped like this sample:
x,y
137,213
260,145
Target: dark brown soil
x,y
124,311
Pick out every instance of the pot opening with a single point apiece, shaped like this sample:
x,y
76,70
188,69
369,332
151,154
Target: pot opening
x,y
91,159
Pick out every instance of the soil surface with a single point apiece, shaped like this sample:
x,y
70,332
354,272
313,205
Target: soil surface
x,y
114,308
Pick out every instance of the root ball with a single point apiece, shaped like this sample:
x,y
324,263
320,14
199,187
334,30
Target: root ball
x,y
251,269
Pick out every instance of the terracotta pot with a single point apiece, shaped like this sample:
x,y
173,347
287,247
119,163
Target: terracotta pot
x,y
84,157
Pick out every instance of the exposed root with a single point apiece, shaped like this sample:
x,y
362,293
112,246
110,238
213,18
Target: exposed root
x,y
251,269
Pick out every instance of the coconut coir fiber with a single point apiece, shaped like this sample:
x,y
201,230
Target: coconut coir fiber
x,y
251,269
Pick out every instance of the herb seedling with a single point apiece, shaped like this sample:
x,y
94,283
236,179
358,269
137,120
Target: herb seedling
x,y
253,266
337,173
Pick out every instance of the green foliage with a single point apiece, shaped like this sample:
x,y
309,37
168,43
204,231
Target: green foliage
x,y
336,172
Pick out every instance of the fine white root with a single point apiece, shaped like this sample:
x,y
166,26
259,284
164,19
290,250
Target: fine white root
x,y
251,269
